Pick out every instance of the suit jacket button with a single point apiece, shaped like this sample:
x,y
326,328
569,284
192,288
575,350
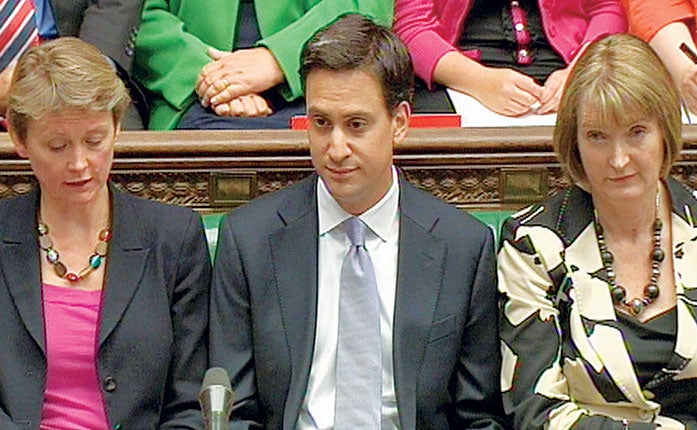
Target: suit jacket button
x,y
109,384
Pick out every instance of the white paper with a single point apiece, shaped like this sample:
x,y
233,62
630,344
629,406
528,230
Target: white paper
x,y
475,114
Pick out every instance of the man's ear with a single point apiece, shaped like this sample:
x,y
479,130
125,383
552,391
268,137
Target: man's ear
x,y
400,122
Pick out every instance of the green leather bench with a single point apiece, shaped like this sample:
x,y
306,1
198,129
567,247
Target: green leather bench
x,y
211,222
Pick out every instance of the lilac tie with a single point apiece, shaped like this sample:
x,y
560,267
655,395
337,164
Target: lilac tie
x,y
359,352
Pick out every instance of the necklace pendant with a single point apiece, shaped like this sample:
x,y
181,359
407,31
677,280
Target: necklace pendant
x,y
72,277
45,242
635,306
52,256
607,257
85,271
658,255
105,235
60,269
618,294
652,292
95,261
102,248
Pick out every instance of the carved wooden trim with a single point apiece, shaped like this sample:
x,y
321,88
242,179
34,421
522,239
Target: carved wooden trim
x,y
214,170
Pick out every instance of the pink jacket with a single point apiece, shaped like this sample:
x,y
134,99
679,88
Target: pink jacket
x,y
431,28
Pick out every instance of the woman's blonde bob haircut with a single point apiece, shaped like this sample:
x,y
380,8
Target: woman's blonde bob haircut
x,y
65,73
618,75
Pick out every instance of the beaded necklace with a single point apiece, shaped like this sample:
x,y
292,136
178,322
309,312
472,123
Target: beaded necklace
x,y
651,292
53,257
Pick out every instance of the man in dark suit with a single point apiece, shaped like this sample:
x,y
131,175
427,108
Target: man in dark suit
x,y
110,26
277,318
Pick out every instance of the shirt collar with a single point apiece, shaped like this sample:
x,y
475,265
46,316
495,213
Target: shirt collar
x,y
378,218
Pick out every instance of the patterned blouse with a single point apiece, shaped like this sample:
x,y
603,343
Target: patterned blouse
x,y
565,358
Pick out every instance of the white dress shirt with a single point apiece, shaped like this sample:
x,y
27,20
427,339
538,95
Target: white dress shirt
x,y
382,243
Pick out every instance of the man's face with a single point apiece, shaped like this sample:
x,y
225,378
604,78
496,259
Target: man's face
x,y
352,134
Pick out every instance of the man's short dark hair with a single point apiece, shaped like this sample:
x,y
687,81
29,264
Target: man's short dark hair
x,y
355,42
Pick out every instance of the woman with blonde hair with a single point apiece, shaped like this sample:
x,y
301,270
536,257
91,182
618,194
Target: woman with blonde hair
x,y
599,283
103,296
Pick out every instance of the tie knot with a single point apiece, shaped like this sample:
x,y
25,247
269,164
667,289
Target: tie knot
x,y
355,229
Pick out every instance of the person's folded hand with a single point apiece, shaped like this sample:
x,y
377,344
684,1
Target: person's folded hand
x,y
234,74
250,105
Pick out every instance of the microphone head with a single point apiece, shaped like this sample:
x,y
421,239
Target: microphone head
x,y
216,396
216,376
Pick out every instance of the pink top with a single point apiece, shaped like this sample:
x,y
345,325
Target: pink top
x,y
431,28
73,398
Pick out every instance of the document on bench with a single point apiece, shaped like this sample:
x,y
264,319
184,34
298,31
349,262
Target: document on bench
x,y
475,114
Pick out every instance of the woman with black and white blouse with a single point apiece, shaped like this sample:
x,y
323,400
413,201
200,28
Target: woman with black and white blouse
x,y
599,282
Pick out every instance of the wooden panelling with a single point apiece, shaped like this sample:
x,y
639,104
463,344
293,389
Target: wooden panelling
x,y
212,171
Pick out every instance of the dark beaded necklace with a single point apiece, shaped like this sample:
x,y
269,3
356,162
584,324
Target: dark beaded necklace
x,y
651,292
53,257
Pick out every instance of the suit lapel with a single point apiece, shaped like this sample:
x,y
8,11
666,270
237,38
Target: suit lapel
x,y
125,264
419,275
19,263
294,257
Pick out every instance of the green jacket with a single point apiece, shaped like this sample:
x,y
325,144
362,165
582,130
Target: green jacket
x,y
175,35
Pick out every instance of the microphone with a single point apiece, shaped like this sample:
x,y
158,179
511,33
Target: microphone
x,y
216,398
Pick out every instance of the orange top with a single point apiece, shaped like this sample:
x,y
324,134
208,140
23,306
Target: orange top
x,y
646,17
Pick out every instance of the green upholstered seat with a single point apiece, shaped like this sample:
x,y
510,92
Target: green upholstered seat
x,y
211,222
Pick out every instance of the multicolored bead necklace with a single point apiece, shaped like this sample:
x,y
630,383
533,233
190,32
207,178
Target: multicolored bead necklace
x,y
53,257
651,292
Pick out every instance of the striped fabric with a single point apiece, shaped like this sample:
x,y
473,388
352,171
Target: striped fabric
x,y
17,29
